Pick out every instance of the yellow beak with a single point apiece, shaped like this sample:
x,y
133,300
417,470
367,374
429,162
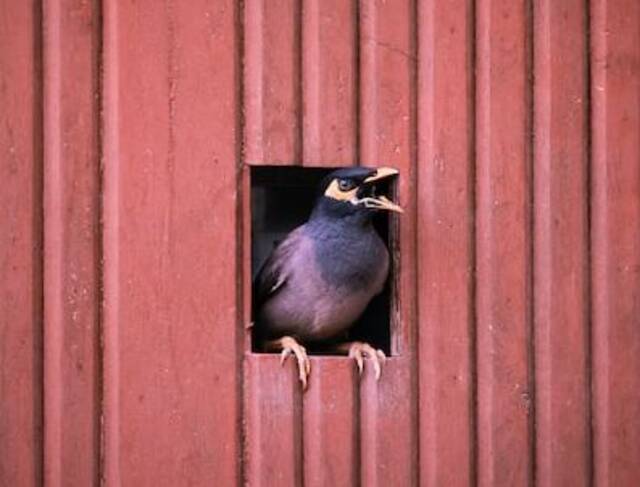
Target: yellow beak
x,y
381,202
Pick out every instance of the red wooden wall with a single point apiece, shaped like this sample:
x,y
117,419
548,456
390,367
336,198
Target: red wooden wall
x,y
126,131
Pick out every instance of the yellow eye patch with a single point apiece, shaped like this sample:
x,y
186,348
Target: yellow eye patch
x,y
334,191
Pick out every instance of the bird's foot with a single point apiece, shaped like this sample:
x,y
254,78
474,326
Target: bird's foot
x,y
360,350
290,346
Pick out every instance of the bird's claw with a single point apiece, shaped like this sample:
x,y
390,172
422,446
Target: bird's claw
x,y
360,350
291,346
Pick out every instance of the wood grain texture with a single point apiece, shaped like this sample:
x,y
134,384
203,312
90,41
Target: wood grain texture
x,y
172,341
20,244
615,237
125,230
71,244
273,422
561,244
331,426
445,242
387,426
329,89
272,89
503,244
388,408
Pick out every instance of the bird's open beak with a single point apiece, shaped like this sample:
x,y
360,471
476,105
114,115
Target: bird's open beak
x,y
380,202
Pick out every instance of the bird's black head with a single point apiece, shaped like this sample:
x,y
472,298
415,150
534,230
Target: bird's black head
x,y
352,192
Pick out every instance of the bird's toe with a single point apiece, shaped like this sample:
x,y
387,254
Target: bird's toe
x,y
291,347
360,350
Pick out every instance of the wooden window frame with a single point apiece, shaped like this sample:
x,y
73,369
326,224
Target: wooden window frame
x,y
398,339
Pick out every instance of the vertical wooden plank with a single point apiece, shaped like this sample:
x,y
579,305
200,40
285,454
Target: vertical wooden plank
x,y
329,82
387,137
20,244
331,455
387,131
615,234
329,128
503,244
329,68
388,426
273,396
445,246
172,341
561,244
274,422
272,81
71,215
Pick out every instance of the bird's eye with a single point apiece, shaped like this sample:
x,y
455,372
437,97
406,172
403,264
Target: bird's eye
x,y
345,185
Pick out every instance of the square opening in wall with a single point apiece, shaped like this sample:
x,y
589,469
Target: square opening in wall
x,y
282,199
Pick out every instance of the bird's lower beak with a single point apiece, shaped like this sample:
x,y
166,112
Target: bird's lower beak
x,y
380,203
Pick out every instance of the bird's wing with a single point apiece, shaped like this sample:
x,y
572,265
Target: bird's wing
x,y
273,274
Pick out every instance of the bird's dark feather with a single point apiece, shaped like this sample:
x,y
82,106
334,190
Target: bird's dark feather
x,y
272,275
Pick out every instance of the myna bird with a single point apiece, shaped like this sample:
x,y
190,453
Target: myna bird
x,y
317,282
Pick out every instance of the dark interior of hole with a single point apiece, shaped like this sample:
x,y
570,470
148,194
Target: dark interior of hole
x,y
282,199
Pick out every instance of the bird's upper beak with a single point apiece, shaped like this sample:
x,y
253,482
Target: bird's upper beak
x,y
379,201
381,173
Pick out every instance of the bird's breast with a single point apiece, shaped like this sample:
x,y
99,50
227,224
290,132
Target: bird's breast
x,y
331,279
357,261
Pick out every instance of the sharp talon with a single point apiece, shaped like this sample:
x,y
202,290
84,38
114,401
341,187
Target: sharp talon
x,y
283,356
355,353
381,354
376,367
360,362
302,375
290,346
